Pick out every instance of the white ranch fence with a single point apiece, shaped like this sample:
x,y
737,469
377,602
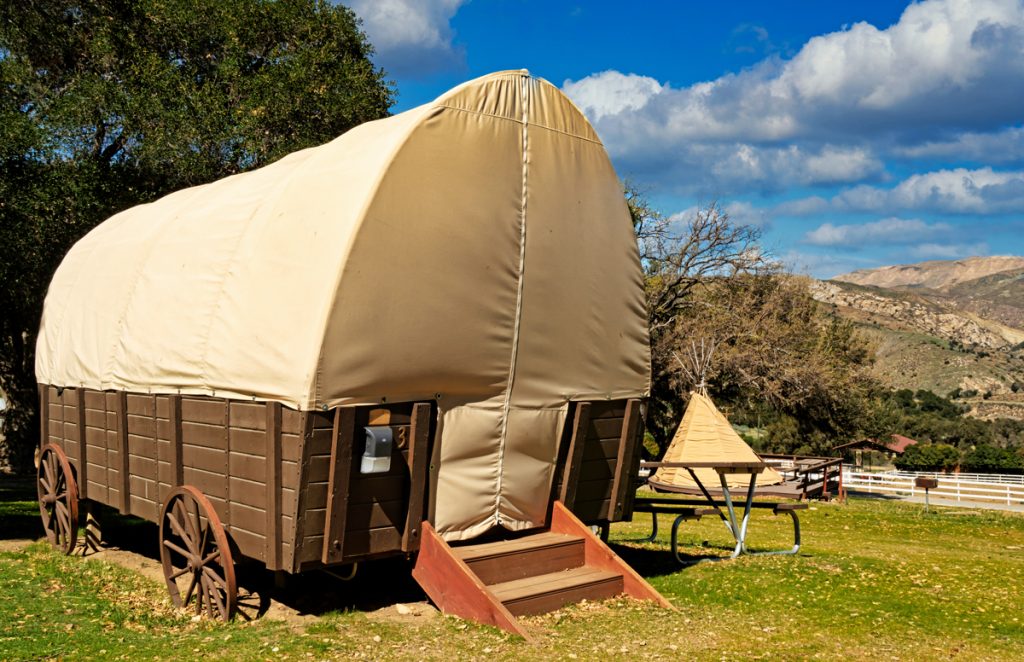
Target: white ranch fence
x,y
1002,488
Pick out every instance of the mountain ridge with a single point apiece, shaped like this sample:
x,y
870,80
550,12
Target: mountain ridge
x,y
933,274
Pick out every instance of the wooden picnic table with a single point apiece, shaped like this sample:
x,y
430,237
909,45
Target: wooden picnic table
x,y
737,527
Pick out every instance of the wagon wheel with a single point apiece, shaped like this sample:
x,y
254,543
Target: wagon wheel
x,y
58,498
195,554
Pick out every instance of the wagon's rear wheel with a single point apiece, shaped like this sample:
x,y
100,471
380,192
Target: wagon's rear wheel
x,y
58,498
195,554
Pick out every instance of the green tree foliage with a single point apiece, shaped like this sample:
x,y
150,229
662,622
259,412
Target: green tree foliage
x,y
928,457
989,459
678,257
708,279
110,103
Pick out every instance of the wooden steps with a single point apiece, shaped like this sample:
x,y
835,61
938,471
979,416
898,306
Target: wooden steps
x,y
493,582
544,593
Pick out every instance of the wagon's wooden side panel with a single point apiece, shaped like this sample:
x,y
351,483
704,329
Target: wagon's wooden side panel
x,y
244,456
102,475
369,512
291,445
62,424
150,428
601,472
377,502
314,471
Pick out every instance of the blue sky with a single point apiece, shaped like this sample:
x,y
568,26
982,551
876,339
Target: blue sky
x,y
854,134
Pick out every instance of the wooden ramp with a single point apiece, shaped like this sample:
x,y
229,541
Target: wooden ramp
x,y
494,582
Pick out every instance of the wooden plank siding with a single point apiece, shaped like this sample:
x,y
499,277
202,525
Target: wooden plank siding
x,y
594,481
137,447
267,469
371,516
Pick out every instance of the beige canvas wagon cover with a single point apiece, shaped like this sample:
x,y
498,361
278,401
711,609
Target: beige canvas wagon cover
x,y
705,435
476,250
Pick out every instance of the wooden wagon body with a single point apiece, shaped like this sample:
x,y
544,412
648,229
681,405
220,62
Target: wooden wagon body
x,y
432,328
284,482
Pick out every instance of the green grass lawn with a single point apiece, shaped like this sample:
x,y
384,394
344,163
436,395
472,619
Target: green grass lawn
x,y
874,580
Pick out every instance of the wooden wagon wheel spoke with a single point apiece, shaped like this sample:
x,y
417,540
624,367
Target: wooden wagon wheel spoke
x,y
49,469
191,587
217,600
203,597
176,548
62,517
202,545
178,573
179,530
214,577
58,498
182,524
210,599
196,554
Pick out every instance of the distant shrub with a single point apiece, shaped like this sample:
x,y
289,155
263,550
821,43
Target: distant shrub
x,y
928,457
989,459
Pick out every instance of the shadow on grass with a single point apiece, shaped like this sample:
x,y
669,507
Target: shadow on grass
x,y
377,584
19,509
659,562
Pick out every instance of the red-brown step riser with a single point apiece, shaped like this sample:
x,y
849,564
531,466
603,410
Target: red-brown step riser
x,y
547,602
528,562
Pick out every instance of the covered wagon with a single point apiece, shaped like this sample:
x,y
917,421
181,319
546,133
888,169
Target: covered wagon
x,y
430,328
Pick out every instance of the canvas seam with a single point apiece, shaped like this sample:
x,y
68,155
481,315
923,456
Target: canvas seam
x,y
314,395
518,121
519,302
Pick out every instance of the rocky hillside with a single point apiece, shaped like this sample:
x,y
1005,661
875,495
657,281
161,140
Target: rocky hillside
x,y
946,326
935,275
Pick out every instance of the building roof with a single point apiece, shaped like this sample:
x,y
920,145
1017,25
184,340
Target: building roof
x,y
897,444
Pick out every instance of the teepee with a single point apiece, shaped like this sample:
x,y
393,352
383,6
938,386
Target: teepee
x,y
705,435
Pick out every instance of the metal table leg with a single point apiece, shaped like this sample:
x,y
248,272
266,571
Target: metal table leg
x,y
654,527
796,539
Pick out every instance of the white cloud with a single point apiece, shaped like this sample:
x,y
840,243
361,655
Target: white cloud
x,y
801,207
883,232
826,265
964,191
412,37
843,100
1005,146
982,191
933,251
610,93
740,212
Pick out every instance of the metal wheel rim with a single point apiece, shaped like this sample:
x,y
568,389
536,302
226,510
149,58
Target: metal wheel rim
x,y
58,498
195,553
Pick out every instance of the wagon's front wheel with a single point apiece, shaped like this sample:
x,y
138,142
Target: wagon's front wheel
x,y
58,498
195,555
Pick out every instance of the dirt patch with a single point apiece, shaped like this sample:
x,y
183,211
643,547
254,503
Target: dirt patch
x,y
411,613
145,566
15,544
253,601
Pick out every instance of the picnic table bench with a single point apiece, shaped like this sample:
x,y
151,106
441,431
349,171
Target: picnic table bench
x,y
695,509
